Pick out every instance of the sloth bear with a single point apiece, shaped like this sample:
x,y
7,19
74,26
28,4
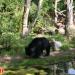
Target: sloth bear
x,y
37,46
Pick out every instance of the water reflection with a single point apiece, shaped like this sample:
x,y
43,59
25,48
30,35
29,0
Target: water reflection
x,y
64,68
71,71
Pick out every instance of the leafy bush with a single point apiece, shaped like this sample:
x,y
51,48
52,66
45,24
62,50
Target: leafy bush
x,y
73,42
11,41
65,47
58,37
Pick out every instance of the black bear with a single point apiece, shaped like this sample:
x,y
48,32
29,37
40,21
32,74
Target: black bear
x,y
36,47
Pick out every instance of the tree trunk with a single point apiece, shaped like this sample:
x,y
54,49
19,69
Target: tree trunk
x,y
56,15
56,11
25,17
70,24
70,12
40,4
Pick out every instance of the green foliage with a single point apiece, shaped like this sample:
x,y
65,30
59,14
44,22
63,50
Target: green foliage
x,y
48,5
39,25
58,37
33,12
65,47
61,5
27,71
73,42
11,41
11,24
10,20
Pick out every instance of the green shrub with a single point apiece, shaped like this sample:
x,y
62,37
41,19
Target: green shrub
x,y
11,41
65,47
58,37
73,42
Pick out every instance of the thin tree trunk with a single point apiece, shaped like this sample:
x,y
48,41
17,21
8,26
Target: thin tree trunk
x,y
70,12
56,15
38,11
70,24
25,17
40,4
